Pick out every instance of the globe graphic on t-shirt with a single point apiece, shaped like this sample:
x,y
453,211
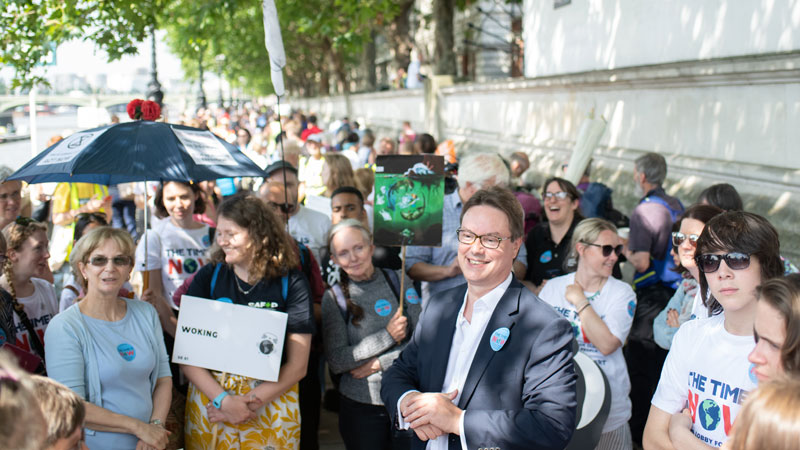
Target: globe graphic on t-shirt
x,y
709,414
190,265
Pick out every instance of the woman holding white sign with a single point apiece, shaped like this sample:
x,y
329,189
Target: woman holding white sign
x,y
249,267
110,350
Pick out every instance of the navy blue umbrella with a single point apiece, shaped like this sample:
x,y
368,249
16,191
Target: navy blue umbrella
x,y
138,151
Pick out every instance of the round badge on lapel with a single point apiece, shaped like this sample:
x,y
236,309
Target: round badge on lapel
x,y
411,296
499,338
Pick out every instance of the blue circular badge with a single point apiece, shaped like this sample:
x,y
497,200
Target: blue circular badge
x,y
751,372
383,307
412,296
127,352
2,337
224,300
631,307
546,257
206,240
499,338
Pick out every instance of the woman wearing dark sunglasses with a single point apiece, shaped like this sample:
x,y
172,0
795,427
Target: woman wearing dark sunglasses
x,y
707,371
110,350
600,309
679,309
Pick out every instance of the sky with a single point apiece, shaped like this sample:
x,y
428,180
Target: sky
x,y
83,58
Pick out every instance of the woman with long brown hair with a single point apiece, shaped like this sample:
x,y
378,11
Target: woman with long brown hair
x,y
250,265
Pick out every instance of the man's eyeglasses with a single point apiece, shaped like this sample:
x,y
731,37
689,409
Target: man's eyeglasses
x,y
561,195
286,208
487,240
102,261
607,249
709,263
678,238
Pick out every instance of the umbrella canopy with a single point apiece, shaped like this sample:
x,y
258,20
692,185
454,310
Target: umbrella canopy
x,y
138,151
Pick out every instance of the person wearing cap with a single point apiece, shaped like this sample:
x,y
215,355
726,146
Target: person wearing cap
x,y
310,173
307,226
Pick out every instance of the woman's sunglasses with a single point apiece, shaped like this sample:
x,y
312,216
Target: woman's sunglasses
x,y
102,261
678,238
607,249
709,263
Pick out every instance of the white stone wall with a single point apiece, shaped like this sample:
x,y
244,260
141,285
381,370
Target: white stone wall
x,y
729,120
608,34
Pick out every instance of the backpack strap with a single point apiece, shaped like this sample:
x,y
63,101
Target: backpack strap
x,y
36,344
214,278
340,300
285,286
394,282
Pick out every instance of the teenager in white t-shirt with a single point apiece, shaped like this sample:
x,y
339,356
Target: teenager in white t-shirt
x,y
27,256
707,376
600,309
176,248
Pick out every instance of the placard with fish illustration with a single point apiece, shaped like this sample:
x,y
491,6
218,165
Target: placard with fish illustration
x,y
409,196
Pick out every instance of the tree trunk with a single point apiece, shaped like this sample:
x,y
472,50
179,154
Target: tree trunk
x,y
444,54
399,36
370,70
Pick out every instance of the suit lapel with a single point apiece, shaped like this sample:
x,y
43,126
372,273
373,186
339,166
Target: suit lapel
x,y
504,315
445,324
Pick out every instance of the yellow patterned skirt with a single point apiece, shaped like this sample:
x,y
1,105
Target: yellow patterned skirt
x,y
277,426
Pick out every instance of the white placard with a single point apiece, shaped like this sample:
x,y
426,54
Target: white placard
x,y
70,147
204,148
230,338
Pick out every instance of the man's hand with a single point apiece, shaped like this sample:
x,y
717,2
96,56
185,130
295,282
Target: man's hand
x,y
366,369
427,432
455,269
432,409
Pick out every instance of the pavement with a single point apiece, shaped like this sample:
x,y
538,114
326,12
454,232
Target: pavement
x,y
329,438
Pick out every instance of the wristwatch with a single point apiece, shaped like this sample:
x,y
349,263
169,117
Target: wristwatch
x,y
157,422
217,402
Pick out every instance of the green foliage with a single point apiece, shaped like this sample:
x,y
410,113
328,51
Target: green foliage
x,y
29,29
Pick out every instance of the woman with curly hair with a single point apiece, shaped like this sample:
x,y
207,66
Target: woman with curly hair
x,y
248,267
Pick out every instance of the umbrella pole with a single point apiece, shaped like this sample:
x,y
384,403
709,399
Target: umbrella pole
x,y
145,273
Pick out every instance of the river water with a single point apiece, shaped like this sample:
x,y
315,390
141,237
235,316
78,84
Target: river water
x,y
15,154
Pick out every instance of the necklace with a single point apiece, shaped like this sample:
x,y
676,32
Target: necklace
x,y
239,287
593,296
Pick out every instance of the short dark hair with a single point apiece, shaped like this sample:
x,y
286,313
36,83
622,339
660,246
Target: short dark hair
x,y
312,119
348,190
502,199
783,295
722,195
199,203
743,232
426,143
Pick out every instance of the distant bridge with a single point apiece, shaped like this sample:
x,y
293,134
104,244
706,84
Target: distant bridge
x,y
97,100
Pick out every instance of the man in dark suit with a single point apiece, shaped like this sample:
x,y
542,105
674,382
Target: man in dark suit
x,y
489,365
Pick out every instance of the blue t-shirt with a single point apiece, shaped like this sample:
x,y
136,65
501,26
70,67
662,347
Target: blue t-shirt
x,y
125,361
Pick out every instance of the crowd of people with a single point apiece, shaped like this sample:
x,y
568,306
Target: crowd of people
x,y
700,347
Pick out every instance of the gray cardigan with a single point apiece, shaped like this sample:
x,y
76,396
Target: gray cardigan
x,y
348,346
71,358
